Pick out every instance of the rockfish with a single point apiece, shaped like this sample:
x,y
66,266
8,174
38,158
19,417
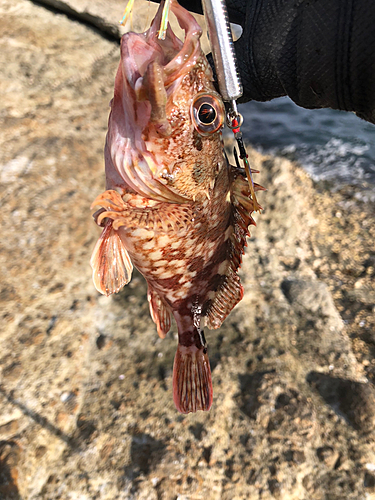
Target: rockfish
x,y
174,207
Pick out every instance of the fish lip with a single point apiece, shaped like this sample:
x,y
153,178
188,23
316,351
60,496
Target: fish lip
x,y
137,52
190,51
140,49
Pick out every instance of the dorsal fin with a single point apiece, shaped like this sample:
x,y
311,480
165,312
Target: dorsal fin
x,y
229,294
231,290
159,313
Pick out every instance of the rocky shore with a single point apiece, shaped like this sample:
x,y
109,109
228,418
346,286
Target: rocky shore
x,y
86,408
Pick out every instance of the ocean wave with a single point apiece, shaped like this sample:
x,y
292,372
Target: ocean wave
x,y
331,145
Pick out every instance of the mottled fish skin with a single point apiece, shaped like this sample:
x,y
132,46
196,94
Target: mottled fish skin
x,y
174,207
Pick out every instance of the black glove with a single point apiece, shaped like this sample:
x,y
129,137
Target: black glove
x,y
321,53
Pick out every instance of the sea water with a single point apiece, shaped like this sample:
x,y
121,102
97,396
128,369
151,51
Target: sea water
x,y
333,146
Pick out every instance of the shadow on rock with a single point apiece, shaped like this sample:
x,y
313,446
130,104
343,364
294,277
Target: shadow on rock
x,y
250,385
311,298
38,418
9,456
354,401
146,452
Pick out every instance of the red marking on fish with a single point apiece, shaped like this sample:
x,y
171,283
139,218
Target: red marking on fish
x,y
173,207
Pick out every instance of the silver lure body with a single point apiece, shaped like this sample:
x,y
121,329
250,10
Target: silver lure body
x,y
220,35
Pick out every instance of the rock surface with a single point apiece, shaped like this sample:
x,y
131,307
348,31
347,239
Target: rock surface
x,y
85,383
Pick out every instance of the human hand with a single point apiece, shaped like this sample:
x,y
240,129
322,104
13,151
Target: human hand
x,y
320,53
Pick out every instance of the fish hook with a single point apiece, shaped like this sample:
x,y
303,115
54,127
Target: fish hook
x,y
234,121
164,20
127,12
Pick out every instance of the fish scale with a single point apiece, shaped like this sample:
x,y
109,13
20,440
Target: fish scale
x,y
174,207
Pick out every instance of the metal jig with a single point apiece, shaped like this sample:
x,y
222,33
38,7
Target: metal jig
x,y
229,81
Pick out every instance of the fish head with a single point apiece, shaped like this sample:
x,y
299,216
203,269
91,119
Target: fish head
x,y
164,135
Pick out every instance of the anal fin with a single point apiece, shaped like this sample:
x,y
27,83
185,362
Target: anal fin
x,y
192,383
110,262
159,313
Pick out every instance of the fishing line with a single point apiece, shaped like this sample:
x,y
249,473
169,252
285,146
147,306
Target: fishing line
x,y
234,122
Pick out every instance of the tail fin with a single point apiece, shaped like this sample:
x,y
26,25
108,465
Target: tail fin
x,y
192,384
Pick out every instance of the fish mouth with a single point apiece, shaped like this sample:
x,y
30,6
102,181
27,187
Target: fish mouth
x,y
174,56
149,72
154,64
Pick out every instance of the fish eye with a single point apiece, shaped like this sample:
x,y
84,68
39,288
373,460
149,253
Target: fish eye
x,y
207,113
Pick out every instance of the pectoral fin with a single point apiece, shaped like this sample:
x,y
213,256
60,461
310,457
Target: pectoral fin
x,y
158,217
110,262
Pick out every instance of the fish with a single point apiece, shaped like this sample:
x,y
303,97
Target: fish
x,y
173,207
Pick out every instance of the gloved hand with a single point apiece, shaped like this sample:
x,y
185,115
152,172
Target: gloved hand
x,y
321,53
